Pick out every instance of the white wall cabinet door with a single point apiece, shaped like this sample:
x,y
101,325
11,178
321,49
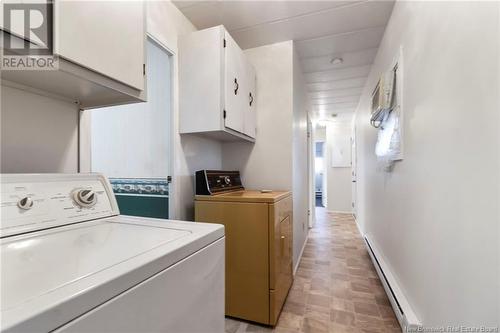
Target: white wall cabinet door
x,y
235,81
104,36
215,82
250,122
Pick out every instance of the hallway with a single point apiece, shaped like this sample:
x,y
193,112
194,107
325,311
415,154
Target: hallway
x,y
336,288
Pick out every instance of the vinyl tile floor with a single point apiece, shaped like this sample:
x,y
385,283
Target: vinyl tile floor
x,y
336,288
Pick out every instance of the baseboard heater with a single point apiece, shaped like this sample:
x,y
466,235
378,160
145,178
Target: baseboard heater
x,y
406,317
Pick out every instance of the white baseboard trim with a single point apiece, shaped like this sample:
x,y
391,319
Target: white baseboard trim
x,y
404,313
358,227
300,254
339,212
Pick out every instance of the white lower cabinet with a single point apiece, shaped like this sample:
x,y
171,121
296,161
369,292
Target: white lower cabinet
x,y
216,87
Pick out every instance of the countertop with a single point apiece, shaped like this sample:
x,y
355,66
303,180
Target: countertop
x,y
246,196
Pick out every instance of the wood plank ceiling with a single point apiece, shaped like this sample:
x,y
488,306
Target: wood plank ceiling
x,y
322,31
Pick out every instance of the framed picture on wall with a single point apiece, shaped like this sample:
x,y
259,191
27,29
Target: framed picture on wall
x,y
341,153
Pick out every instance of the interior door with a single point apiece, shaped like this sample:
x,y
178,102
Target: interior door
x,y
235,96
105,36
123,156
135,126
250,121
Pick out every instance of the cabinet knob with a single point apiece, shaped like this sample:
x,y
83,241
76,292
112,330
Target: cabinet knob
x,y
282,237
236,86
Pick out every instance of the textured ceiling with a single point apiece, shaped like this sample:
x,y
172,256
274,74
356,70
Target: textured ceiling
x,y
322,30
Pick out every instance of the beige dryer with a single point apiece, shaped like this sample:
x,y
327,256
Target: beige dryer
x,y
258,230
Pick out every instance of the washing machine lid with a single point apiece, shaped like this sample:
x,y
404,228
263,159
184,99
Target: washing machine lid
x,y
52,276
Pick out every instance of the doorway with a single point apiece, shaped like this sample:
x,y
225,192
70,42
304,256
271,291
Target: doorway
x,y
319,158
137,157
319,175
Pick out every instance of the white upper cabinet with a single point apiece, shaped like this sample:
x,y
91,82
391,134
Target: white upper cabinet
x,y
104,36
101,50
235,85
216,85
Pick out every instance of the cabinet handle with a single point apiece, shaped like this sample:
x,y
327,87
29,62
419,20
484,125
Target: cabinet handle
x,y
236,86
251,98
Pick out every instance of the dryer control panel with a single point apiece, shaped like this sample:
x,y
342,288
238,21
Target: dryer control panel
x,y
216,181
31,202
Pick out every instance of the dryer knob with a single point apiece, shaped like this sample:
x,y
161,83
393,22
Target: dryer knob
x,y
25,203
227,180
85,198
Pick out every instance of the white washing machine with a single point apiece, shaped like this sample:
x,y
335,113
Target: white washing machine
x,y
71,263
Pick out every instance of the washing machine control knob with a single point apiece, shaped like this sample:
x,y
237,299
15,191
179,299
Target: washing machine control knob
x,y
85,198
227,180
25,203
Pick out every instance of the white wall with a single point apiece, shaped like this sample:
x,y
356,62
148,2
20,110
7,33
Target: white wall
x,y
338,179
281,132
38,134
301,190
435,218
498,146
267,164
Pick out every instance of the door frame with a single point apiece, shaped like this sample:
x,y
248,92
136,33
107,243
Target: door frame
x,y
354,170
310,173
173,184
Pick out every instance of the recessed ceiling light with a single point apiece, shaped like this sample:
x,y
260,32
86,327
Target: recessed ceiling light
x,y
336,61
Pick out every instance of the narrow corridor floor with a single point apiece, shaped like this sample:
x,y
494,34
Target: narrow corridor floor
x,y
336,288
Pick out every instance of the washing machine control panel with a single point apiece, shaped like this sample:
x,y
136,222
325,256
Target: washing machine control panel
x,y
34,202
25,203
85,197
